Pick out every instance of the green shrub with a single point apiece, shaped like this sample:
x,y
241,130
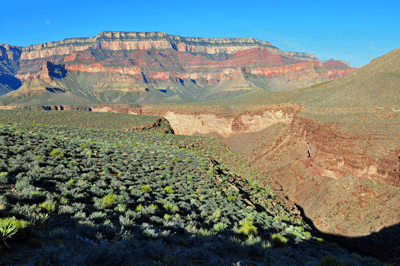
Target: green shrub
x,y
56,153
220,226
231,198
247,227
216,215
168,190
175,160
146,188
9,227
47,206
329,260
3,177
38,219
109,200
139,208
154,207
38,158
171,207
307,234
121,207
64,200
84,145
17,223
279,240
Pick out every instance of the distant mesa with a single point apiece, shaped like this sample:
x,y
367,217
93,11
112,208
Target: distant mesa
x,y
116,67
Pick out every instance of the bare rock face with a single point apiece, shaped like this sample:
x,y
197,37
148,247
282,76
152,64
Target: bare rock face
x,y
180,67
187,120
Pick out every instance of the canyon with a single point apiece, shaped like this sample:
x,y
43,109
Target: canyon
x,y
326,133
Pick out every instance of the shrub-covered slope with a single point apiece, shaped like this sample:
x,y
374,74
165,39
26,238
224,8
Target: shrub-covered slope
x,y
85,119
129,198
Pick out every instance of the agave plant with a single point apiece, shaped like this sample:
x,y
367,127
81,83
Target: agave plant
x,y
7,230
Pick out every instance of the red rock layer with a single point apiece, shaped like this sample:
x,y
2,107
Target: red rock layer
x,y
174,64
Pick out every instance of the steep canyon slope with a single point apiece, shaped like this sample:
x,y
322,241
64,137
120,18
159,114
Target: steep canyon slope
x,y
154,68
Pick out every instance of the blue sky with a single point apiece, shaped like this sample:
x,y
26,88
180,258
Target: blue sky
x,y
354,31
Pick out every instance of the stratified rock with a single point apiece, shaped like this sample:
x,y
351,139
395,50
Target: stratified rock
x,y
182,68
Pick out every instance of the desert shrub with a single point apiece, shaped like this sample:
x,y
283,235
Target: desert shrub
x,y
66,210
307,234
126,221
98,216
3,177
220,226
329,260
80,215
168,190
47,206
171,207
146,188
216,215
109,200
56,153
10,227
84,145
156,219
279,240
121,207
247,227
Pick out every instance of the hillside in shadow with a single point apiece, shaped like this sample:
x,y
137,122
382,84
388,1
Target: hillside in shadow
x,y
383,245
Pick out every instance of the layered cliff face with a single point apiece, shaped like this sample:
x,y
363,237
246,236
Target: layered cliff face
x,y
181,68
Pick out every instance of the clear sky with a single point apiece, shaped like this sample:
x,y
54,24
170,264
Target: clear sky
x,y
354,31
